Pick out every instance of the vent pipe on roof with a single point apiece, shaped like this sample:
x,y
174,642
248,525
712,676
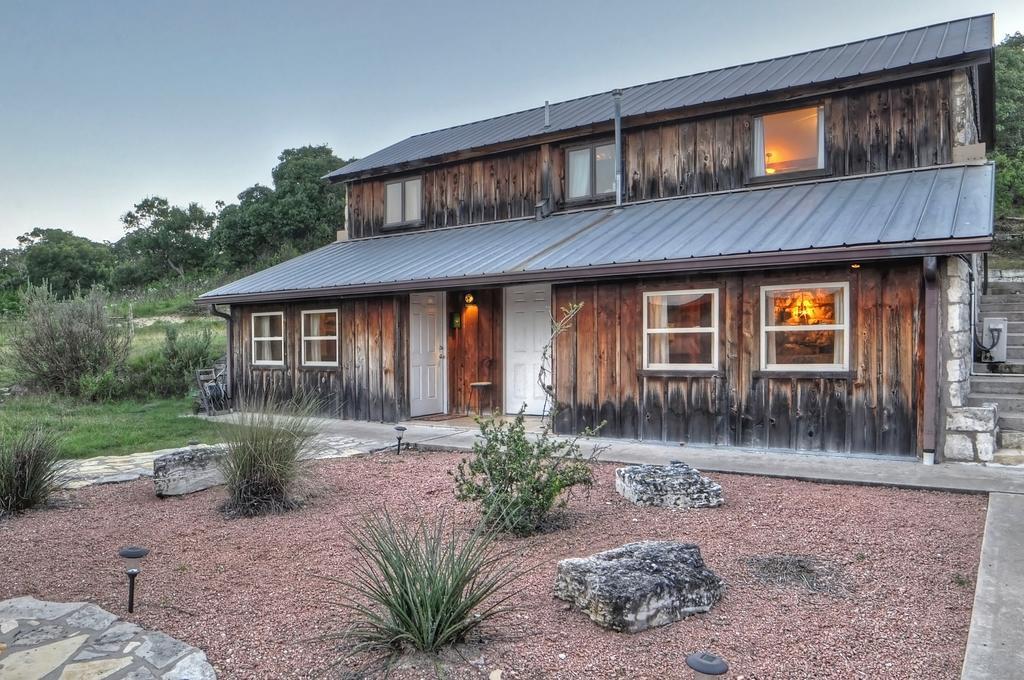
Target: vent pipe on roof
x,y
617,98
547,114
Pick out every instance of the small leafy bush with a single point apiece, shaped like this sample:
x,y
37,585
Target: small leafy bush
x,y
518,482
169,371
422,587
60,342
30,469
263,464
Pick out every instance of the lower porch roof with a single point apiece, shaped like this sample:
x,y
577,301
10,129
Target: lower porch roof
x,y
909,213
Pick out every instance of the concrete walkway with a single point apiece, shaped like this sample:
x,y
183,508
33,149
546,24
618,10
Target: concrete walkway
x,y
995,645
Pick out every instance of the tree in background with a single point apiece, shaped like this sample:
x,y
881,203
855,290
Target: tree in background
x,y
301,212
1009,153
65,261
162,240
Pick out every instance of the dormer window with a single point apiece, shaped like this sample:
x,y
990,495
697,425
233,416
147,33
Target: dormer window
x,y
402,199
789,141
591,171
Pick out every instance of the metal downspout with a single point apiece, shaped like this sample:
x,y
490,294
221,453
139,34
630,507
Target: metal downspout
x,y
932,378
617,98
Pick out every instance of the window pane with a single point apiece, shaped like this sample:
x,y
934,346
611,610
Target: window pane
x,y
679,348
579,173
269,350
804,307
267,326
805,347
789,141
604,169
393,203
413,199
680,311
321,351
321,323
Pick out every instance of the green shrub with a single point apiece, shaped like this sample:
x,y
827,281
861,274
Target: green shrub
x,y
57,343
30,469
105,386
262,466
421,587
518,482
170,370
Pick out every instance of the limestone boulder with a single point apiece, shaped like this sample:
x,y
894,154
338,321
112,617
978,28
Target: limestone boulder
x,y
671,486
187,470
639,585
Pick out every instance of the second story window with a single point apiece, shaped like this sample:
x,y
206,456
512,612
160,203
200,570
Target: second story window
x,y
789,141
402,199
591,171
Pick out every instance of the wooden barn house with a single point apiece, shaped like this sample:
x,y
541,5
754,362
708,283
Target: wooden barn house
x,y
775,255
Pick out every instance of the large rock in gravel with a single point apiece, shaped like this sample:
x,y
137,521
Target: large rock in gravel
x,y
672,486
188,469
640,585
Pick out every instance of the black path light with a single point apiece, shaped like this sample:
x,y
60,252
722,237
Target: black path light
x,y
399,431
132,556
707,665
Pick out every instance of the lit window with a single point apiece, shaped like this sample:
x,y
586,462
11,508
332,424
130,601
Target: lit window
x,y
320,337
591,171
790,141
402,201
268,338
681,329
805,328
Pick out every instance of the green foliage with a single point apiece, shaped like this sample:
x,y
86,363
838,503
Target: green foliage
x,y
30,469
263,463
87,429
59,343
421,587
169,371
163,240
517,480
1009,66
64,261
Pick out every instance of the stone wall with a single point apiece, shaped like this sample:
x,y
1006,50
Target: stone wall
x,y
967,433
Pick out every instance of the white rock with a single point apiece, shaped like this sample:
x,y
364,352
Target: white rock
x,y
192,667
958,447
188,469
971,419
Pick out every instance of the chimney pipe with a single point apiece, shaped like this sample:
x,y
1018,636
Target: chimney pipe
x,y
617,98
547,114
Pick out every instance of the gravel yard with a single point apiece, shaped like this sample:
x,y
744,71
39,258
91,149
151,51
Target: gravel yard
x,y
246,590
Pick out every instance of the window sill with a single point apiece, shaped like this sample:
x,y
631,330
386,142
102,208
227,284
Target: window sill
x,y
789,176
680,373
400,226
789,374
279,367
587,201
315,367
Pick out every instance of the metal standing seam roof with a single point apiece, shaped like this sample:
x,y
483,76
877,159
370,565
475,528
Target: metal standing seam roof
x,y
940,41
897,214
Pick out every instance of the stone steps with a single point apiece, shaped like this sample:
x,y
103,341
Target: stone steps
x,y
1008,457
1008,403
1012,421
1009,438
1007,368
998,384
1005,287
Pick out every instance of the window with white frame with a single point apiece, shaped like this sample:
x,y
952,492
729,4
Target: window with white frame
x,y
268,338
402,201
320,337
591,172
789,141
681,329
805,327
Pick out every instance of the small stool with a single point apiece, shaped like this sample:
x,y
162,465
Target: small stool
x,y
479,388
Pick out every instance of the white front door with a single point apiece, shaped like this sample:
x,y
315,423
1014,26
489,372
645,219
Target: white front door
x,y
527,330
427,373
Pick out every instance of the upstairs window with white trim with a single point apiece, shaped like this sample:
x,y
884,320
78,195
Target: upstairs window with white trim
x,y
789,141
681,330
268,338
591,171
320,337
402,202
805,327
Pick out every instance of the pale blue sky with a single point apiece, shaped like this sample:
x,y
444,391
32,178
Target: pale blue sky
x,y
103,103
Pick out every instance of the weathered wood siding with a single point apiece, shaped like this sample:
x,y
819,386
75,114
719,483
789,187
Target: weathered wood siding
x,y
369,381
874,407
475,350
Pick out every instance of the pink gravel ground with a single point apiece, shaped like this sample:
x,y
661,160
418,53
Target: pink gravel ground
x,y
245,590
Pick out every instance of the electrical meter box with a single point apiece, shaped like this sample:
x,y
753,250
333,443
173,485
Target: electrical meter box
x,y
993,340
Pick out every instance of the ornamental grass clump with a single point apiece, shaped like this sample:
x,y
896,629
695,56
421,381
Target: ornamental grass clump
x,y
30,469
263,463
423,587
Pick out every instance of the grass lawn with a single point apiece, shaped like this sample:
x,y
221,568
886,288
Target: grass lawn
x,y
91,429
152,336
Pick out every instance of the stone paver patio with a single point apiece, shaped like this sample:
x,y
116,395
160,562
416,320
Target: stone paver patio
x,y
42,640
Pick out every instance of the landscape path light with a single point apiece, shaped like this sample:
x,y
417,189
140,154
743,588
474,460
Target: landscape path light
x,y
132,556
399,431
707,665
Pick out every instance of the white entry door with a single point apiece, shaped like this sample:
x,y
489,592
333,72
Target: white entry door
x,y
527,330
427,375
